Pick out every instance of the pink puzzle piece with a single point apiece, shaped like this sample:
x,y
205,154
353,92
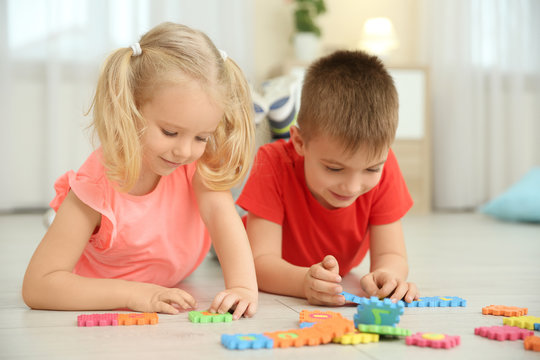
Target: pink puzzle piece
x,y
107,319
434,340
502,333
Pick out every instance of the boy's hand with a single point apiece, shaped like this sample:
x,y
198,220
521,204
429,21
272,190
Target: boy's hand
x,y
155,298
382,284
242,300
321,283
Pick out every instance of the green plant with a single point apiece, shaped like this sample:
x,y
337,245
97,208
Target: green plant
x,y
305,13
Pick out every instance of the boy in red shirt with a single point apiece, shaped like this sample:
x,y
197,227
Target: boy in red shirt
x,y
318,202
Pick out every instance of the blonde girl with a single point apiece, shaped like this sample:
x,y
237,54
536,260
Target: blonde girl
x,y
173,115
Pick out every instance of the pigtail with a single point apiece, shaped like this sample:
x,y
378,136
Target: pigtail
x,y
117,121
229,153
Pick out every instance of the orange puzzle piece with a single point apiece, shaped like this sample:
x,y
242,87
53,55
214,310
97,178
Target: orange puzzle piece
x,y
502,310
138,319
532,343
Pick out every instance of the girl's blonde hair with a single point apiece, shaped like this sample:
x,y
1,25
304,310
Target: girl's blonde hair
x,y
172,53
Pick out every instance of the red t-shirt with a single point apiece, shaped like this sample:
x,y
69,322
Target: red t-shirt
x,y
276,191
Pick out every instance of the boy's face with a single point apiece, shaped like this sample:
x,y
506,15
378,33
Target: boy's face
x,y
336,178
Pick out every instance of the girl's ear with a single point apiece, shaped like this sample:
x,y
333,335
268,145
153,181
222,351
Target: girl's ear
x,y
297,140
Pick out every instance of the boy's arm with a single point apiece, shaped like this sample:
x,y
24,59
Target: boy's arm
x,y
318,283
49,282
389,267
232,248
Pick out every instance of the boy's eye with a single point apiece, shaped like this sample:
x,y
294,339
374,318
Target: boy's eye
x,y
168,133
333,169
374,170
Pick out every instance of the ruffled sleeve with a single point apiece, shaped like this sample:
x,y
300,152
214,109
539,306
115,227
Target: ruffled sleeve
x,y
92,188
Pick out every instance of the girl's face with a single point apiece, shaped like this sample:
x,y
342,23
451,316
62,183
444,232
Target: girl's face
x,y
180,119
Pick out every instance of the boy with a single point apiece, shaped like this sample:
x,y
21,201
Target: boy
x,y
318,202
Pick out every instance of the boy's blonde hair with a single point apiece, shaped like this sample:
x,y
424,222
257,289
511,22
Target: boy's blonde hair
x,y
349,96
172,53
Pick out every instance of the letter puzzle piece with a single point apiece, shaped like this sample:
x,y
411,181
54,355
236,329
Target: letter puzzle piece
x,y
532,343
434,340
383,330
524,322
378,312
208,317
438,301
502,333
322,332
115,319
356,337
502,310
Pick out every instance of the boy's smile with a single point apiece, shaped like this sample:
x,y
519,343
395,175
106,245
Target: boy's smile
x,y
336,178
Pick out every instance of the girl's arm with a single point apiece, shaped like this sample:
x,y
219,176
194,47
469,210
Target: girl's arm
x,y
232,248
49,282
389,267
319,284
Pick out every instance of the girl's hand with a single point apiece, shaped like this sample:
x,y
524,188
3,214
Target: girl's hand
x,y
382,284
155,298
242,300
321,283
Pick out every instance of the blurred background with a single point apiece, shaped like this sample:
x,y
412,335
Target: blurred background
x,y
467,71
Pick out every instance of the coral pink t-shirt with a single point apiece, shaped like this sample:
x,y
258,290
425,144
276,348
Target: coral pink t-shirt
x,y
277,191
156,238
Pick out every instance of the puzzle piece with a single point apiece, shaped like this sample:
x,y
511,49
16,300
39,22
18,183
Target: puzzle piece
x,y
537,326
246,341
502,333
438,301
532,343
351,297
320,333
383,330
356,337
434,340
115,319
208,317
378,312
524,322
502,310
316,316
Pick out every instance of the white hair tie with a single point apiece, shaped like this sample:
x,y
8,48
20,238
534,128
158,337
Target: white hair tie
x,y
136,49
223,54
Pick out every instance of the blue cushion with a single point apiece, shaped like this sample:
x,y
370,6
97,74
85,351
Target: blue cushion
x,y
521,202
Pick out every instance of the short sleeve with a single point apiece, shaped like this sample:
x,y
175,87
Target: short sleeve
x,y
93,191
391,199
262,194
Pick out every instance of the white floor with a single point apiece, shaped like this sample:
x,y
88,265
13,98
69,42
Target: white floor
x,y
467,255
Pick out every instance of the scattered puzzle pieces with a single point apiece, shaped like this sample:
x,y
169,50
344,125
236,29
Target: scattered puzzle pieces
x,y
115,319
532,343
438,301
502,310
383,330
378,312
524,322
434,340
356,337
502,333
208,317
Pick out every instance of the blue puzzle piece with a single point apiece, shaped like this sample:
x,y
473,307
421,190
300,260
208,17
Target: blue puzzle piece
x,y
351,297
438,301
378,312
306,324
246,341
537,326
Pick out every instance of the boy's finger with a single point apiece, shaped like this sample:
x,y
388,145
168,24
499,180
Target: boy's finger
x,y
368,285
328,299
412,293
400,291
319,272
388,287
330,263
326,287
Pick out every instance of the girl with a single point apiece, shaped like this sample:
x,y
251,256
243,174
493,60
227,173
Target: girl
x,y
174,119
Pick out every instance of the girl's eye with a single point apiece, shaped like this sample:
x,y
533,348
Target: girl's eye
x,y
202,139
168,133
